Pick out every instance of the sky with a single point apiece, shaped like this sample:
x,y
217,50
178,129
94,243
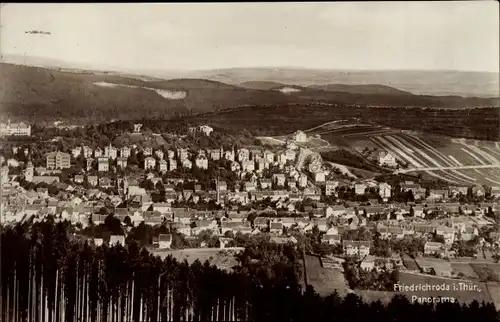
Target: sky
x,y
462,35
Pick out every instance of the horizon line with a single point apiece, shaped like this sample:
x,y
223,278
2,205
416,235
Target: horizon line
x,y
165,69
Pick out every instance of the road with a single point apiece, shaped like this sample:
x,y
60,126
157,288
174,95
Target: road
x,y
486,166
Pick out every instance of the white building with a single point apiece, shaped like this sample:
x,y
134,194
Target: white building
x,y
172,164
125,152
149,163
330,187
201,161
248,166
187,164
243,155
102,164
15,129
111,152
162,166
300,137
384,191
386,158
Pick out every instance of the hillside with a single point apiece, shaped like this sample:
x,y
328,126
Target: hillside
x,y
361,89
40,94
261,85
479,124
37,94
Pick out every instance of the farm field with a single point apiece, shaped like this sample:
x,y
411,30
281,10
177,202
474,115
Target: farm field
x,y
464,268
422,151
324,280
494,290
222,258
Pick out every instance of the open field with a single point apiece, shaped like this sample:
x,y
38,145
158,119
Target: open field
x,y
422,151
222,258
324,280
465,269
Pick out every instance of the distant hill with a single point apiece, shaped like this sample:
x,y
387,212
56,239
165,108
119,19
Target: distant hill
x,y
361,89
446,83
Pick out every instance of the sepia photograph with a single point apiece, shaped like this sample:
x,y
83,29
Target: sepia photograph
x,y
232,161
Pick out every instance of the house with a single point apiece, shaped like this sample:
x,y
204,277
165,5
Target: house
x,y
495,192
121,162
116,240
368,263
355,247
447,233
243,227
360,188
384,191
89,162
148,151
261,222
76,152
87,152
125,152
330,187
276,227
249,186
248,166
478,191
162,166
417,211
387,159
164,241
79,179
92,180
204,224
110,152
434,248
243,155
322,224
102,164
302,181
438,194
269,156
469,233
457,190
291,184
331,239
201,161
182,215
159,154
58,160
319,177
300,137
205,129
279,179
229,155
265,183
97,153
149,163
187,164
335,211
172,164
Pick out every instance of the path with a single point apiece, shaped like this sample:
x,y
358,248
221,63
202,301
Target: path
x,y
484,166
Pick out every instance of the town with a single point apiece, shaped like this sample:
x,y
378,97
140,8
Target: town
x,y
212,197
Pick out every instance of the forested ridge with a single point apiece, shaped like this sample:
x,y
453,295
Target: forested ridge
x,y
48,274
